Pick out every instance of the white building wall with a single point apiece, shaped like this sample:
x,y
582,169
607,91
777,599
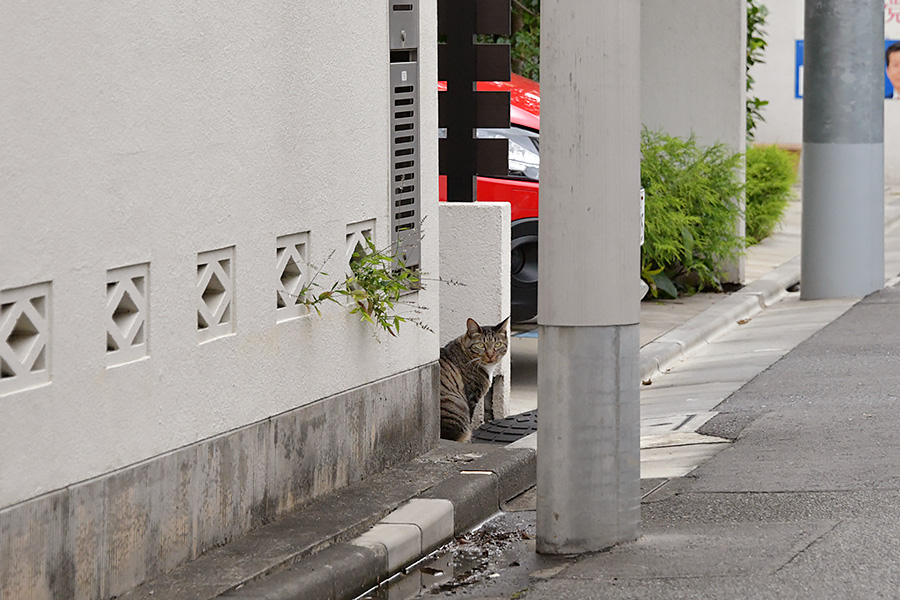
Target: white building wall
x,y
692,69
774,81
693,63
148,133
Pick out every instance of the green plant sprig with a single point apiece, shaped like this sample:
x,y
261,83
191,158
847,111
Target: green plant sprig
x,y
378,279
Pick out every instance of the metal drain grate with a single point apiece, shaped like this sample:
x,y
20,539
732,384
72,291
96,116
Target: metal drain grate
x,y
507,430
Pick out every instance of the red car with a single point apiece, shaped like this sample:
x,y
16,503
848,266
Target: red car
x,y
519,188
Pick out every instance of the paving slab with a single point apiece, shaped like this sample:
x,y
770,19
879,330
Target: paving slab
x,y
669,461
716,550
672,423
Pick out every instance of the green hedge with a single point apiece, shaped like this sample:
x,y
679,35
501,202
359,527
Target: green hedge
x,y
770,175
691,215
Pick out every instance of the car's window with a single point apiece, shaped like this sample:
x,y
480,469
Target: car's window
x,y
524,150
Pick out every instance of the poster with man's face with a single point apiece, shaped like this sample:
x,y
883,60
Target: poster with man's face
x,y
892,68
891,51
892,48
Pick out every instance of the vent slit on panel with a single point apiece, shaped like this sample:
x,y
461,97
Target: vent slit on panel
x,y
404,81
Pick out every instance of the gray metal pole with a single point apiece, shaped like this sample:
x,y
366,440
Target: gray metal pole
x,y
588,473
842,246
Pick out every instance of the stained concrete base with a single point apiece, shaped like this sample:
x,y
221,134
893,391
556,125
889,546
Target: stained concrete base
x,y
103,537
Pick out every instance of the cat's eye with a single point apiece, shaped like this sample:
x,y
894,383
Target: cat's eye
x,y
499,345
478,345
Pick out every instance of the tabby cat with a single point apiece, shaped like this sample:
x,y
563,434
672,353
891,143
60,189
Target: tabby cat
x,y
467,368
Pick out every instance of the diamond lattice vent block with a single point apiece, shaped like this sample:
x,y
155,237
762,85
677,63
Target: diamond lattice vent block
x,y
292,272
215,293
357,236
24,337
127,307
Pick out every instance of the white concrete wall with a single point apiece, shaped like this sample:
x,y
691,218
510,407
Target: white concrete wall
x,y
692,68
146,134
774,81
475,253
693,62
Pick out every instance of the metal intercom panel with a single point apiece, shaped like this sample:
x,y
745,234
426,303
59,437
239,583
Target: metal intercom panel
x,y
404,106
404,24
405,188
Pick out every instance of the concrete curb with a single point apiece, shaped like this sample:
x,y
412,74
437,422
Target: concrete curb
x,y
404,536
339,571
676,344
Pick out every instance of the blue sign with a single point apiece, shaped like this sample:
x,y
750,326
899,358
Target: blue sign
x,y
798,71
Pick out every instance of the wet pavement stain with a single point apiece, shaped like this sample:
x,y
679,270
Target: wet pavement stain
x,y
495,560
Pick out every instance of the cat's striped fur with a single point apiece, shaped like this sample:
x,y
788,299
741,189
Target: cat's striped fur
x,y
467,368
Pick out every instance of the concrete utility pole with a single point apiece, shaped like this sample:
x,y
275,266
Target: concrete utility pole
x,y
842,248
588,475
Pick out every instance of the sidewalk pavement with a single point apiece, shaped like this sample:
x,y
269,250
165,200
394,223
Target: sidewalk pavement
x,y
790,478
803,501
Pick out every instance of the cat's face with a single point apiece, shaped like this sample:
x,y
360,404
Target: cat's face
x,y
487,345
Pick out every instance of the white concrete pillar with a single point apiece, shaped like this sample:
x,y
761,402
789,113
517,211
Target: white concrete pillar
x,y
475,253
588,480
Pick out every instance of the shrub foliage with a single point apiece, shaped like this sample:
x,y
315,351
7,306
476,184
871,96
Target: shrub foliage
x,y
691,213
770,175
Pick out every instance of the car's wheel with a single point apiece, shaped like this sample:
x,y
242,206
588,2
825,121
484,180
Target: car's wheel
x,y
524,269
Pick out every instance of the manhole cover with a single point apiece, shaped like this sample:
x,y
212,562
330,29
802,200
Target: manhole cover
x,y
508,429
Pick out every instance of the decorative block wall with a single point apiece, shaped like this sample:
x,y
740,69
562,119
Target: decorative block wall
x,y
159,209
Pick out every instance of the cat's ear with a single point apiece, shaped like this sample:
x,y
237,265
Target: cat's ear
x,y
501,326
472,327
